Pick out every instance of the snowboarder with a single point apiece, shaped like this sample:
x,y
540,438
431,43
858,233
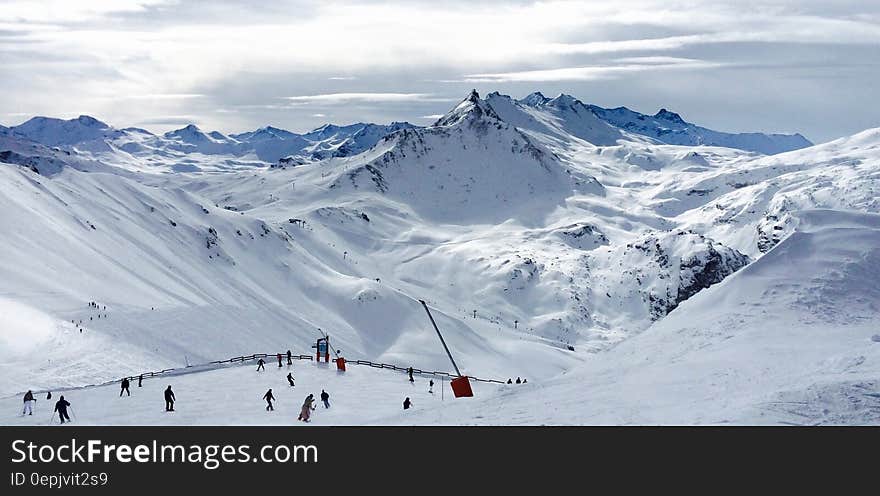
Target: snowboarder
x,y
290,379
140,380
261,365
410,372
269,398
518,380
289,358
279,360
525,381
431,386
510,381
61,408
307,408
28,403
169,399
325,398
407,403
124,387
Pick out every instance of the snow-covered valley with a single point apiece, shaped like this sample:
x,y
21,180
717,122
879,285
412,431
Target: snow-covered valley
x,y
634,273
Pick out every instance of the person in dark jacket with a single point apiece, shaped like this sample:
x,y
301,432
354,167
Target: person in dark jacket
x,y
306,410
279,360
140,380
290,379
269,399
431,386
407,403
325,398
410,372
261,365
28,403
169,400
61,407
48,395
124,387
289,358
518,380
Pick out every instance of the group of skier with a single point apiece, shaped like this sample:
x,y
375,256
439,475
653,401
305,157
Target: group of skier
x,y
308,406
518,381
94,306
60,406
261,364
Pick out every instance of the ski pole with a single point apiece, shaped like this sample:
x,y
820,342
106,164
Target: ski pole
x,y
72,412
51,419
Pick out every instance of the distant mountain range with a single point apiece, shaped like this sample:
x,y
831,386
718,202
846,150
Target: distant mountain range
x,y
563,116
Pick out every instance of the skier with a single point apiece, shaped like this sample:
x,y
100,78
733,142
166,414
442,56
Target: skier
x,y
140,380
61,408
269,398
169,399
518,380
279,360
48,395
307,408
325,398
407,403
28,403
431,386
261,365
290,379
289,358
124,387
410,372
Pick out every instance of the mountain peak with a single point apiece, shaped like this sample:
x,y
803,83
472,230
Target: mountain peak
x,y
534,99
669,116
89,121
472,107
563,100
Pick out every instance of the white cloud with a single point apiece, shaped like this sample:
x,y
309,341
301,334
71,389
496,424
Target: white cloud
x,y
165,96
63,56
343,98
319,115
71,11
593,73
432,116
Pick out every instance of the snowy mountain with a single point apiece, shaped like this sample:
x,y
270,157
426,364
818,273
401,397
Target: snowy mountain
x,y
629,279
789,340
272,144
191,139
58,132
563,116
668,127
268,144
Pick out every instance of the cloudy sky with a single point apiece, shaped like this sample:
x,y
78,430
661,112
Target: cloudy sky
x,y
807,66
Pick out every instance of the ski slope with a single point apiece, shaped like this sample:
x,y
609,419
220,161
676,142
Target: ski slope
x,y
233,396
550,244
790,339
